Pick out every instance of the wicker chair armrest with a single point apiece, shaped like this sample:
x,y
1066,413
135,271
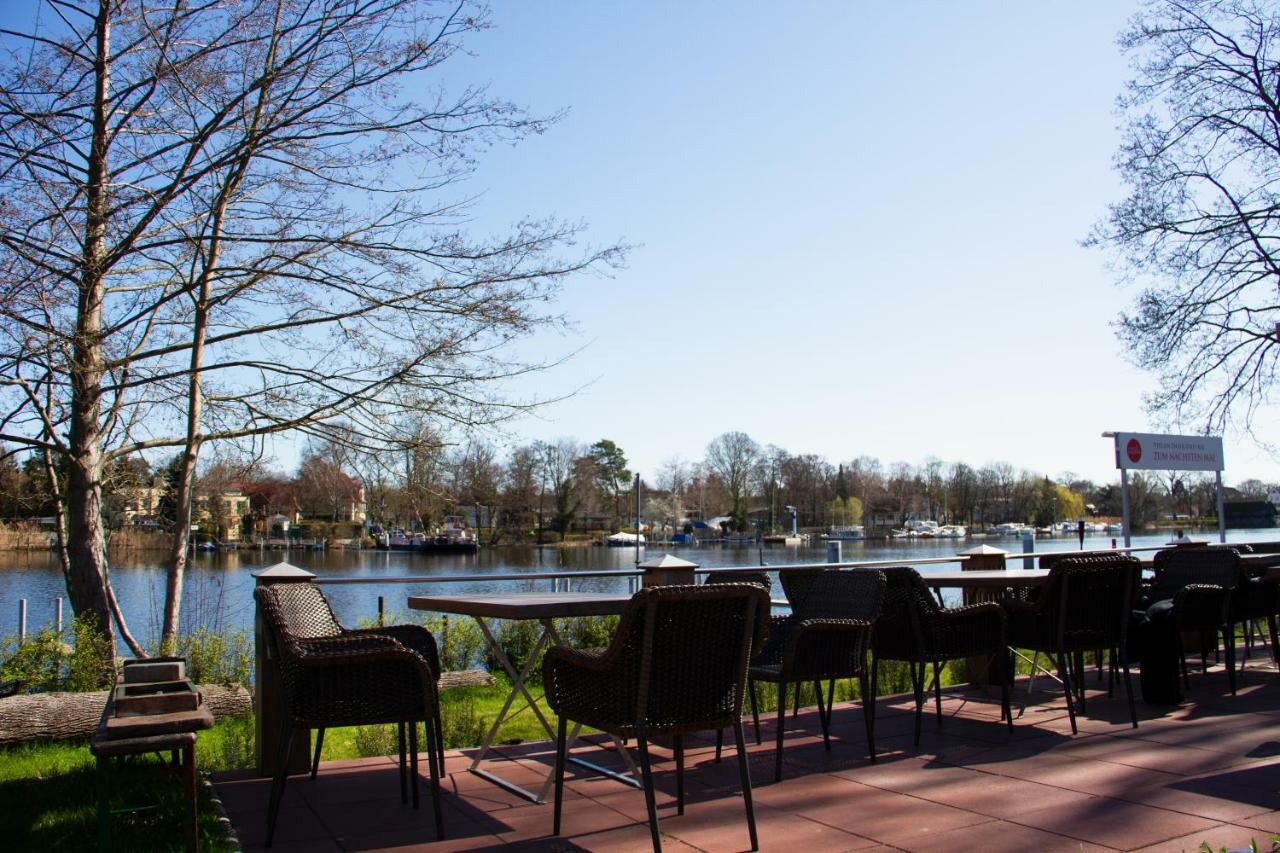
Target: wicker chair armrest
x,y
968,611
414,637
595,660
346,651
587,686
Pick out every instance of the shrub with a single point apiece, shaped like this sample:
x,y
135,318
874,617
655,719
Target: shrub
x,y
47,661
215,658
372,741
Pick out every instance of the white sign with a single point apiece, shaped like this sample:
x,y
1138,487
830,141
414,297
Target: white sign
x,y
1139,451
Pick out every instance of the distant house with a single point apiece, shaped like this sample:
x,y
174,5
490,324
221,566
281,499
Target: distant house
x,y
1249,513
224,512
142,503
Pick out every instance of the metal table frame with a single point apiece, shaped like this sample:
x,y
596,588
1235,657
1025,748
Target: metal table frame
x,y
474,606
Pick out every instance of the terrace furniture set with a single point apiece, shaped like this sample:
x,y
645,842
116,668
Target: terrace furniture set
x,y
683,658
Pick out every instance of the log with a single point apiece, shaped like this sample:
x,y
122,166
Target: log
x,y
71,716
464,678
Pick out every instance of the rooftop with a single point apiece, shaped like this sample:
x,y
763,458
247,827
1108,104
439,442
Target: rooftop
x,y
1208,770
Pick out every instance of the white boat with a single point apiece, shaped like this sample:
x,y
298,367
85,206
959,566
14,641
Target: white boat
x,y
952,531
920,528
846,532
624,540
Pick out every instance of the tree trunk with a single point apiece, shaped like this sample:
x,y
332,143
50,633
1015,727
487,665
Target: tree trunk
x,y
86,540
69,716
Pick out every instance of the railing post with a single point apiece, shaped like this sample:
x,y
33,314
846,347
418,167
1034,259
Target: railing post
x,y
668,571
22,621
982,558
1028,547
266,689
833,551
57,610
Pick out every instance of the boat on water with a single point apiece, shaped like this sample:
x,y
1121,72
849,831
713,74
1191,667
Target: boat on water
x,y
738,539
452,538
846,532
920,528
624,540
952,531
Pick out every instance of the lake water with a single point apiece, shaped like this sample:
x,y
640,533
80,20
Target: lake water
x,y
219,587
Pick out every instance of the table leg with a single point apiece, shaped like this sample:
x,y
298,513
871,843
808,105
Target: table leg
x,y
517,689
189,778
104,811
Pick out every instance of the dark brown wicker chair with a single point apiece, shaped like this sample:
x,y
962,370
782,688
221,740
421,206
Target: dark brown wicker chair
x,y
1201,583
331,676
677,664
1085,604
913,628
826,639
1254,599
761,579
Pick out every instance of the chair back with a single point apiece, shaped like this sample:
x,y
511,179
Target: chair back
x,y
844,594
1176,568
796,585
293,612
1047,561
687,648
830,650
759,578
1089,601
907,603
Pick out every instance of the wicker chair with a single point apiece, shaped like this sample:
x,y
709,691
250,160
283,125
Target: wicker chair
x,y
1085,604
331,676
759,578
913,628
795,588
1201,583
826,639
1254,599
677,664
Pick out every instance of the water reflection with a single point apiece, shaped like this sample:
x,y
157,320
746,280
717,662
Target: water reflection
x,y
219,587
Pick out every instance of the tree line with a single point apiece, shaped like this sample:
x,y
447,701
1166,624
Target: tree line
x,y
547,489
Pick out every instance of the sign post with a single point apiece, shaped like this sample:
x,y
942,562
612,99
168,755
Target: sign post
x,y
1140,451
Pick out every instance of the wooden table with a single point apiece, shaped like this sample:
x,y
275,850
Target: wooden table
x,y
173,733
544,607
993,579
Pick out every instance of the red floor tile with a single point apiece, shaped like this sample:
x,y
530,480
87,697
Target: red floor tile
x,y
1208,770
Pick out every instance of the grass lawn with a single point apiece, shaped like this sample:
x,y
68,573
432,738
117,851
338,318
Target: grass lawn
x,y
48,793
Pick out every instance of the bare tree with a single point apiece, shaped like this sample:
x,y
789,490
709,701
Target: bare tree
x,y
224,220
733,457
1200,227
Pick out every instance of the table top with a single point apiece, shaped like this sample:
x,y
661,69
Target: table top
x,y
523,605
994,579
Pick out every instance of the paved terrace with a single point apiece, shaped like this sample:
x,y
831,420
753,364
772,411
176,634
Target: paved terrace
x,y
1206,771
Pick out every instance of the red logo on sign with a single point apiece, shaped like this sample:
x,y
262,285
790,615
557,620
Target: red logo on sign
x,y
1134,449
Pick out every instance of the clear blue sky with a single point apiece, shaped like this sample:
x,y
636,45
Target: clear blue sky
x,y
858,226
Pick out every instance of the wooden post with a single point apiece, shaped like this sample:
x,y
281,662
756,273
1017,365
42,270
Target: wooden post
x,y
668,571
266,688
22,621
982,558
